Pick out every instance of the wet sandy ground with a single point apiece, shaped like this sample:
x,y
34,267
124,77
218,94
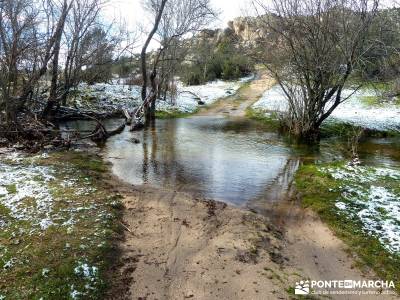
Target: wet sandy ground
x,y
181,247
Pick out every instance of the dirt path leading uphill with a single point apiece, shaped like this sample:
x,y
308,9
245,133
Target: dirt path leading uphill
x,y
237,104
176,246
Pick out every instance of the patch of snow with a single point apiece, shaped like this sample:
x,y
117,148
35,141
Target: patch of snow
x,y
353,110
273,99
83,269
9,264
340,205
45,272
74,293
89,274
3,191
30,183
364,196
69,222
106,97
208,93
28,194
394,174
15,157
45,223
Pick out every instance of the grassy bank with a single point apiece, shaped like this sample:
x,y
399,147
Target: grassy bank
x,y
376,101
271,120
173,114
351,201
328,129
381,89
347,130
57,223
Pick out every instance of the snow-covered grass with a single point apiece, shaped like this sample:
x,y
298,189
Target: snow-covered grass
x,y
357,110
18,185
113,97
105,97
373,196
362,205
56,223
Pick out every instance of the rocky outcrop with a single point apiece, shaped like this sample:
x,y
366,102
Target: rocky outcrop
x,y
246,30
249,29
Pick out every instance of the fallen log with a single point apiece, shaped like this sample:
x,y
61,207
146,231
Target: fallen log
x,y
100,133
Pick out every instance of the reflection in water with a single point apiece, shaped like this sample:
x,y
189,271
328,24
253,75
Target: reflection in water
x,y
205,155
236,161
282,188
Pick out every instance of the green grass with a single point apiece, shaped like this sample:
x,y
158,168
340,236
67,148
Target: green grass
x,y
173,114
338,129
11,188
328,128
243,86
320,191
378,101
271,121
380,86
86,163
346,130
44,262
384,86
371,101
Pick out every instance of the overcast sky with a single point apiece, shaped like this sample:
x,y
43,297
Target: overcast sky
x,y
132,12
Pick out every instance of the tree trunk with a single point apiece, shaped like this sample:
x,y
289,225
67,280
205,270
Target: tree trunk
x,y
157,20
52,101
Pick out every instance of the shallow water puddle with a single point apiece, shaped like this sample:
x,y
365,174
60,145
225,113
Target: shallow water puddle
x,y
213,157
232,160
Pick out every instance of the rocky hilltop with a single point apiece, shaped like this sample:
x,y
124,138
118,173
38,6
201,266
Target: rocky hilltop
x,y
246,30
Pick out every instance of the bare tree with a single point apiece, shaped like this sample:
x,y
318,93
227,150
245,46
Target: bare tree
x,y
83,18
175,20
158,8
52,101
311,47
28,33
36,38
90,46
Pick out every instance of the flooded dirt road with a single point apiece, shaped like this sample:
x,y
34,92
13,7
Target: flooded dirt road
x,y
180,243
